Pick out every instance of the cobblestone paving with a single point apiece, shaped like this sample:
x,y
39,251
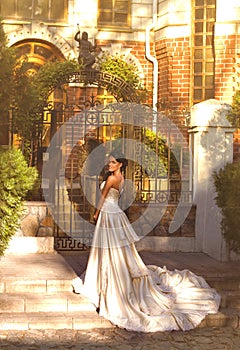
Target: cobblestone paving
x,y
119,339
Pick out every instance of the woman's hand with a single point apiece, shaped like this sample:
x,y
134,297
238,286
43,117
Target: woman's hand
x,y
95,216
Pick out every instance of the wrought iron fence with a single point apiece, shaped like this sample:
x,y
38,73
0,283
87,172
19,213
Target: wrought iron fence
x,y
159,170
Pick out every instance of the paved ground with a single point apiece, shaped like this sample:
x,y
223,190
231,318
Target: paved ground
x,y
201,339
55,266
115,338
198,263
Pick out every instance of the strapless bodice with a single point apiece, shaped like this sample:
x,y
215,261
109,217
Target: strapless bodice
x,y
111,201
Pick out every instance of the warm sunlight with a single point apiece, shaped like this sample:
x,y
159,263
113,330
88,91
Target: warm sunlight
x,y
227,10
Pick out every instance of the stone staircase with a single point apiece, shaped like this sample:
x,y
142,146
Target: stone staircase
x,y
23,311
45,303
32,301
229,311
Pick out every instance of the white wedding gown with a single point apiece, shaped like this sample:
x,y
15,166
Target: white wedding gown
x,y
132,295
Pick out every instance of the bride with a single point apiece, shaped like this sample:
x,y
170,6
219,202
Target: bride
x,y
124,290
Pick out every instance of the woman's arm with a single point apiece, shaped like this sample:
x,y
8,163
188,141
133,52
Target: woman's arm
x,y
109,183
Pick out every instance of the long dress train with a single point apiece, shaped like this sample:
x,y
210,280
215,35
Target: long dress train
x,y
132,295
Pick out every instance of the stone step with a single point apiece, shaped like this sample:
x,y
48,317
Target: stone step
x,y
88,320
68,302
53,320
29,285
230,299
226,317
226,283
53,302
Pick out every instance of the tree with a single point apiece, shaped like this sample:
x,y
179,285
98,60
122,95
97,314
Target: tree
x,y
7,63
27,93
35,90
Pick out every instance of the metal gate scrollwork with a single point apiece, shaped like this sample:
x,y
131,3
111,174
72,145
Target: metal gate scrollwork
x,y
159,167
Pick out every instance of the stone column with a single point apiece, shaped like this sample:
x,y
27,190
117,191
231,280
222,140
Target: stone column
x,y
211,135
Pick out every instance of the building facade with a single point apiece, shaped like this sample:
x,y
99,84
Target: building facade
x,y
186,52
188,49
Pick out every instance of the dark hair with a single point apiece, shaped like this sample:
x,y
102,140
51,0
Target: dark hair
x,y
119,158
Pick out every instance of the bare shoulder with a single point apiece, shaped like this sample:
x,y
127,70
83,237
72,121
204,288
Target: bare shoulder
x,y
111,180
114,181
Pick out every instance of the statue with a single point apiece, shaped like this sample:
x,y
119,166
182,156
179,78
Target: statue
x,y
85,50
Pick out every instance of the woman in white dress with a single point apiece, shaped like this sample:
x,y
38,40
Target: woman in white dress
x,y
124,290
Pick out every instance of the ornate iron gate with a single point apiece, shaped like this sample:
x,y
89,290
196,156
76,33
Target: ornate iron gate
x,y
159,170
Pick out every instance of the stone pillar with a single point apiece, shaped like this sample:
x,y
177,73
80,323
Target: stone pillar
x,y
211,136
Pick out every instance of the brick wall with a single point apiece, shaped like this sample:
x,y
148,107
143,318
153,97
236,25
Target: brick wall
x,y
174,70
174,78
225,67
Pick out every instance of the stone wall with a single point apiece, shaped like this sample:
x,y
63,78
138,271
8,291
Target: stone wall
x,y
36,221
187,229
35,234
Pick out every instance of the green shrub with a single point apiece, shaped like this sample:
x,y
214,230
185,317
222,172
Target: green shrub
x,y
155,158
234,115
16,179
118,66
227,184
